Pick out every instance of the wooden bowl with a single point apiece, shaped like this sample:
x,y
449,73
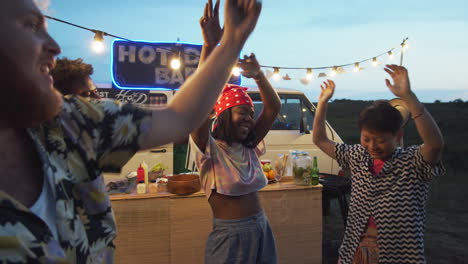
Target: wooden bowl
x,y
183,184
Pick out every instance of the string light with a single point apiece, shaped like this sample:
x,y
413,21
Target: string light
x,y
334,71
236,71
276,74
97,45
356,67
309,75
175,62
404,46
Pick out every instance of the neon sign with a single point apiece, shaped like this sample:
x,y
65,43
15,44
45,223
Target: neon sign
x,y
146,65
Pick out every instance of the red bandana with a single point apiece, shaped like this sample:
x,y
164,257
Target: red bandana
x,y
232,95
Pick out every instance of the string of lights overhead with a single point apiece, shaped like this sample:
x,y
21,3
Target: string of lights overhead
x,y
97,45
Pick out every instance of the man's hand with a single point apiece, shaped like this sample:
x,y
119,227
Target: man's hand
x,y
209,23
401,84
250,66
240,18
328,88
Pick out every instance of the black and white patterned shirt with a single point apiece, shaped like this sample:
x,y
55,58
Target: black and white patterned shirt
x,y
396,197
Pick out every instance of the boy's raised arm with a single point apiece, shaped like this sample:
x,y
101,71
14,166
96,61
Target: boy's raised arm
x,y
319,134
428,130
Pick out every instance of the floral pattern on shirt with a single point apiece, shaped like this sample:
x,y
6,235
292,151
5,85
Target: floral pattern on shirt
x,y
86,138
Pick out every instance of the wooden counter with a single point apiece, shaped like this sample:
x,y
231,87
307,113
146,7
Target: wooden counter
x,y
167,228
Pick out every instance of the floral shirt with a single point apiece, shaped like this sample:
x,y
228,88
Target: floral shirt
x,y
86,138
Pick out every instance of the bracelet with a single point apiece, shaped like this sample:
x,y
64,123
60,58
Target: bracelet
x,y
423,109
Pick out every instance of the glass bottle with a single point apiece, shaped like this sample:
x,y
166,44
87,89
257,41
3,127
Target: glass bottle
x,y
314,174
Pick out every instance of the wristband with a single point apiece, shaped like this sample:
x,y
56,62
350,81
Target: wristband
x,y
423,109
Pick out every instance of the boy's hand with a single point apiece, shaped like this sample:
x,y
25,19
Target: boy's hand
x,y
209,22
328,88
240,18
401,84
250,66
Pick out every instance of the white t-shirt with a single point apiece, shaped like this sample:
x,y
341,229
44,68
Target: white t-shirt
x,y
44,207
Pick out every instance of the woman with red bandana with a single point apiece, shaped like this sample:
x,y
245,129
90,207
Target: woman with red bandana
x,y
227,160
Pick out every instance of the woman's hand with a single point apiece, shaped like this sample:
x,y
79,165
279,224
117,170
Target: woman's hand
x,y
250,66
209,23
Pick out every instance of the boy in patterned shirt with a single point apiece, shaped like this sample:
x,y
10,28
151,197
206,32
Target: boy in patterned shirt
x,y
389,183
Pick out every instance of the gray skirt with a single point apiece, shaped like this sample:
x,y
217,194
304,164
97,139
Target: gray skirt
x,y
247,240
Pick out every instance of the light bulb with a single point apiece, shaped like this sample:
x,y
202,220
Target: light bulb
x,y
404,46
390,54
236,71
356,67
175,63
333,72
309,75
374,61
97,45
276,74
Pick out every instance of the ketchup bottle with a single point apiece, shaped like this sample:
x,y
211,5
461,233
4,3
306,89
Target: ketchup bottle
x,y
140,174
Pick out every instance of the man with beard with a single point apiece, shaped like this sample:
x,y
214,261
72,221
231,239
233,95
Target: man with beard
x,y
53,204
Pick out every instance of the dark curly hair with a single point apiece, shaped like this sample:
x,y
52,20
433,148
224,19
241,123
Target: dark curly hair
x,y
381,116
68,71
224,130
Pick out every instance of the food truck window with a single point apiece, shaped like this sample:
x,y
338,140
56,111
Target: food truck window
x,y
293,109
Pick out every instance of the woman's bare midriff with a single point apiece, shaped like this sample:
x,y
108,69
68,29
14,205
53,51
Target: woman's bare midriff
x,y
234,207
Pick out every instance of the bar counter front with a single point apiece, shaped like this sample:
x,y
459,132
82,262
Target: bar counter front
x,y
167,228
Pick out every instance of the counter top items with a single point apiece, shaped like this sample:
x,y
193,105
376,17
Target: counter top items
x,y
280,166
183,184
153,186
162,184
268,170
141,187
126,185
157,171
302,167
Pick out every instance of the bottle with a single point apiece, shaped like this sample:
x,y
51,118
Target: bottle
x,y
145,168
141,187
314,173
140,177
153,186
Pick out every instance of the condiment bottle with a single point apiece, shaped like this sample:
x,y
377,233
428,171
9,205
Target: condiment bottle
x,y
153,186
141,177
141,187
145,168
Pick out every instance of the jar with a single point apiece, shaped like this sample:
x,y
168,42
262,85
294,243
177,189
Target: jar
x,y
302,167
162,185
153,187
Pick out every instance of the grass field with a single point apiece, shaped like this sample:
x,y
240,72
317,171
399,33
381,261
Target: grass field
x,y
446,237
